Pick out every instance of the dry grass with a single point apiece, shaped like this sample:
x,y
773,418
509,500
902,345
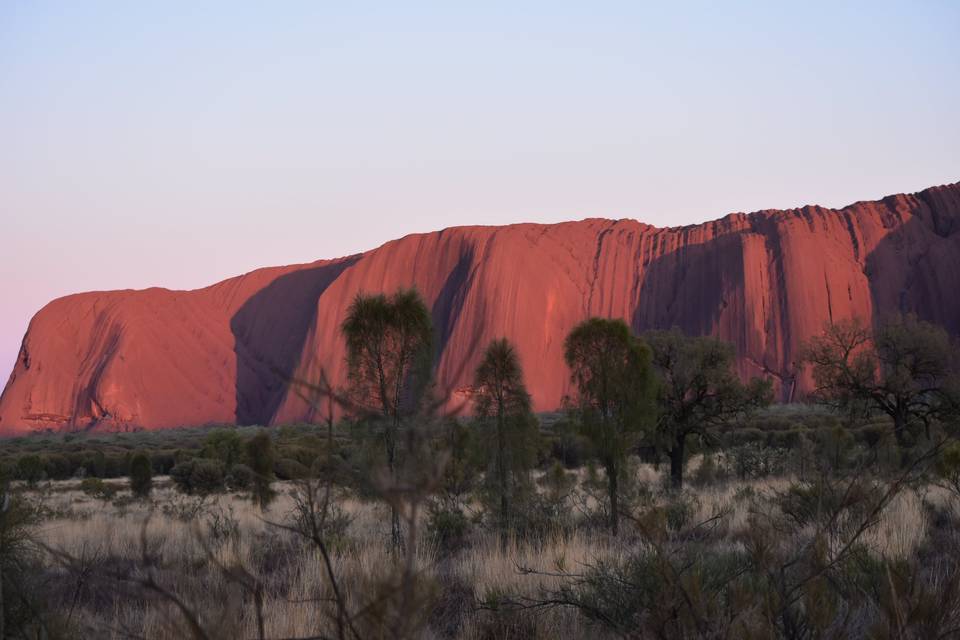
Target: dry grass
x,y
294,576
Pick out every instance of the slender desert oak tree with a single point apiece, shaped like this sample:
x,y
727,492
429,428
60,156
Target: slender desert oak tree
x,y
389,360
616,393
503,406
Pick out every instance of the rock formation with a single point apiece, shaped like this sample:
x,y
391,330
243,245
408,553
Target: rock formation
x,y
765,281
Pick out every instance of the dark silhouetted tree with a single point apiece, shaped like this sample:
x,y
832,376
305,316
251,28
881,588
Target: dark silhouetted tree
x,y
260,456
698,391
616,392
141,475
30,468
503,406
904,369
389,361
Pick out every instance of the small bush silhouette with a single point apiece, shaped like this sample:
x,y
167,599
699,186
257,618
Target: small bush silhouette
x,y
141,475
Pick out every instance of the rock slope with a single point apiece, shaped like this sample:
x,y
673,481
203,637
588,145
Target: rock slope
x,y
765,281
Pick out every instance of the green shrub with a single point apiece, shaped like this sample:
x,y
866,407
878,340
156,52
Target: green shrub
x,y
198,477
680,510
448,527
261,459
288,469
141,475
756,460
26,610
708,472
97,488
58,466
30,469
239,478
95,464
224,445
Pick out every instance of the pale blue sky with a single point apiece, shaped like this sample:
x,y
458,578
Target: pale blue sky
x,y
173,144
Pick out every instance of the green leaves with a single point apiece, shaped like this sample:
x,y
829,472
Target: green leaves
x,y
389,351
615,383
616,393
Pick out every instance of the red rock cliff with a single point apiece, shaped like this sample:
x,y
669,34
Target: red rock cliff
x,y
766,281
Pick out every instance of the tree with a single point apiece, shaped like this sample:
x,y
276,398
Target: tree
x,y
389,361
616,388
504,404
260,456
903,369
698,391
141,475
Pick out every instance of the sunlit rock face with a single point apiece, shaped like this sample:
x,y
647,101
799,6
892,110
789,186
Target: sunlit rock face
x,y
765,281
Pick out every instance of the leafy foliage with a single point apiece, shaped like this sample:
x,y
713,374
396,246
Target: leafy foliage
x,y
141,475
616,392
698,392
508,437
260,456
905,369
389,362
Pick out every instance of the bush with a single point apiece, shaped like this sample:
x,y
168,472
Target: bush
x,y
239,478
288,469
260,456
97,488
141,475
200,477
26,607
224,445
755,460
448,527
680,510
58,466
30,469
95,464
708,472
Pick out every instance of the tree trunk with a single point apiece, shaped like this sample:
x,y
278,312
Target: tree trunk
x,y
676,464
395,536
502,474
900,433
614,502
396,540
900,430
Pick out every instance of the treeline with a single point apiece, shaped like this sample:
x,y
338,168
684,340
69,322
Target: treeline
x,y
662,396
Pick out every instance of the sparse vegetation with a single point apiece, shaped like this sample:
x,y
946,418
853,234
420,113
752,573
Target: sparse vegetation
x,y
801,521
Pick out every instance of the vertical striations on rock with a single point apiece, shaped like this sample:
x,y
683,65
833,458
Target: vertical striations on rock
x,y
765,281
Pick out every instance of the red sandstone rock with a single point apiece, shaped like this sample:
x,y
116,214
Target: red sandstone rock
x,y
766,281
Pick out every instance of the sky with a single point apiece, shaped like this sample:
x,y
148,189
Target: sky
x,y
179,143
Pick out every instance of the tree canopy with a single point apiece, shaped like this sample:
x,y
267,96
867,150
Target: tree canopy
x,y
906,369
699,391
616,392
503,407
